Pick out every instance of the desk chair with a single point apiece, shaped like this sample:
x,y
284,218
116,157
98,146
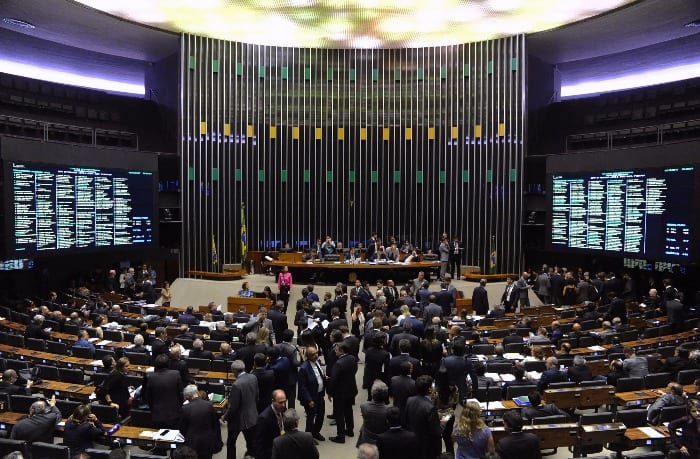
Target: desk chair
x,y
99,353
17,365
71,329
200,364
588,419
212,345
15,340
630,418
7,446
687,376
107,414
47,372
629,384
36,344
647,455
555,419
516,348
138,358
94,453
492,394
499,367
70,375
54,347
40,449
21,403
485,349
535,365
519,391
66,407
671,413
656,380
140,418
82,352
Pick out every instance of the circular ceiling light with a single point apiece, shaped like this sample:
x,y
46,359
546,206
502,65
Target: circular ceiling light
x,y
18,23
363,23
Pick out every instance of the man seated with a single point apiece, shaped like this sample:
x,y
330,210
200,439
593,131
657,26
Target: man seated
x,y
579,371
517,444
188,317
539,409
185,333
198,351
84,341
673,396
245,291
41,423
12,385
551,374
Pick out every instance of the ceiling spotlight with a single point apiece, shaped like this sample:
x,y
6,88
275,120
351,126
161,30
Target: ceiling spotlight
x,y
19,23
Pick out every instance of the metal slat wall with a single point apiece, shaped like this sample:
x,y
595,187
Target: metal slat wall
x,y
405,142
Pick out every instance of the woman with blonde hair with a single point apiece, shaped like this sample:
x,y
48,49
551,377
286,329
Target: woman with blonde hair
x,y
536,353
474,439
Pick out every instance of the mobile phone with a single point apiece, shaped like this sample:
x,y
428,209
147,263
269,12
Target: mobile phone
x,y
165,432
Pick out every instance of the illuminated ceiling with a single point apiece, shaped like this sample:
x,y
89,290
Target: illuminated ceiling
x,y
355,23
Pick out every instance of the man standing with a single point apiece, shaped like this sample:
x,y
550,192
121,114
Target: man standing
x,y
444,250
480,299
518,444
261,321
312,390
343,389
421,418
289,350
456,249
270,425
200,424
162,391
293,444
523,289
242,412
41,423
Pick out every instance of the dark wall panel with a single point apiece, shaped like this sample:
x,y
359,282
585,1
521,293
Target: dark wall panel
x,y
407,142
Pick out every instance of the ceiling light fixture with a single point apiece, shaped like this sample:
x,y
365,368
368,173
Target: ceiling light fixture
x,y
19,23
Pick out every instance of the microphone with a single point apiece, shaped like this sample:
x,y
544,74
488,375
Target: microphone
x,y
488,386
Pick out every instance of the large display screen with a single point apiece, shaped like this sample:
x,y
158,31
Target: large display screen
x,y
639,213
57,207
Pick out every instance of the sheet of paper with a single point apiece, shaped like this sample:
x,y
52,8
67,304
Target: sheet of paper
x,y
147,434
492,406
651,432
536,375
507,377
596,348
104,342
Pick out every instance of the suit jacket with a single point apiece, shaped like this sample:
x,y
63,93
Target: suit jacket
x,y
279,321
294,445
163,393
415,344
445,299
635,367
342,378
266,430
458,367
242,411
401,388
531,412
444,250
354,343
376,366
266,383
308,384
158,346
292,353
509,300
397,443
39,427
421,418
578,373
247,352
430,311
374,421
395,364
519,445
480,301
201,354
200,426
522,288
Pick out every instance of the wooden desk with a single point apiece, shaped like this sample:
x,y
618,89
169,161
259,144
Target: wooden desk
x,y
351,272
636,434
251,304
61,388
549,435
225,275
637,397
580,397
597,434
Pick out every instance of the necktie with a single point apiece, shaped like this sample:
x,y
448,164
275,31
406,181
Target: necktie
x,y
279,421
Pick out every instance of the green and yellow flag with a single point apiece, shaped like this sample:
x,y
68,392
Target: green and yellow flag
x,y
493,258
214,253
244,236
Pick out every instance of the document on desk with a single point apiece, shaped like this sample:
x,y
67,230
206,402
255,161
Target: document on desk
x,y
168,435
651,432
492,406
536,375
104,342
596,348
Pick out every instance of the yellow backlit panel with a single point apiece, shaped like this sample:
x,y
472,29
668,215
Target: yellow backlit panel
x,y
355,23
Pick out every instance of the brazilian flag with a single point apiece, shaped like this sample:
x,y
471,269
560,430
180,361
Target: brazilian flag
x,y
493,258
244,236
214,253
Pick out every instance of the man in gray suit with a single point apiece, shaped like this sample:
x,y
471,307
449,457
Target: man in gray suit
x,y
261,321
242,412
444,250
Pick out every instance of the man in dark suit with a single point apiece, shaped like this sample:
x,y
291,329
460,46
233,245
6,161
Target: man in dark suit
x,y
406,334
266,380
11,386
198,351
199,424
159,344
445,299
404,356
41,423
509,299
312,390
433,309
579,371
289,350
352,341
551,374
397,443
675,310
278,318
540,410
343,389
269,425
188,317
247,352
518,444
162,392
480,299
242,413
513,337
402,386
421,418
458,367
376,363
293,444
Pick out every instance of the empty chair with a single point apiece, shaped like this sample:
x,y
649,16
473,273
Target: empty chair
x,y
595,382
71,375
107,414
99,378
112,335
515,348
632,417
671,413
40,449
47,372
665,330
215,388
499,367
200,364
651,332
589,324
588,419
586,341
534,365
21,403
629,335
140,418
491,394
666,351
213,345
629,384
138,358
17,365
519,391
35,344
200,330
71,329
15,340
687,376
94,453
647,455
66,407
100,353
55,347
568,314
656,380
186,343
483,349
561,385
81,352
223,366
7,446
